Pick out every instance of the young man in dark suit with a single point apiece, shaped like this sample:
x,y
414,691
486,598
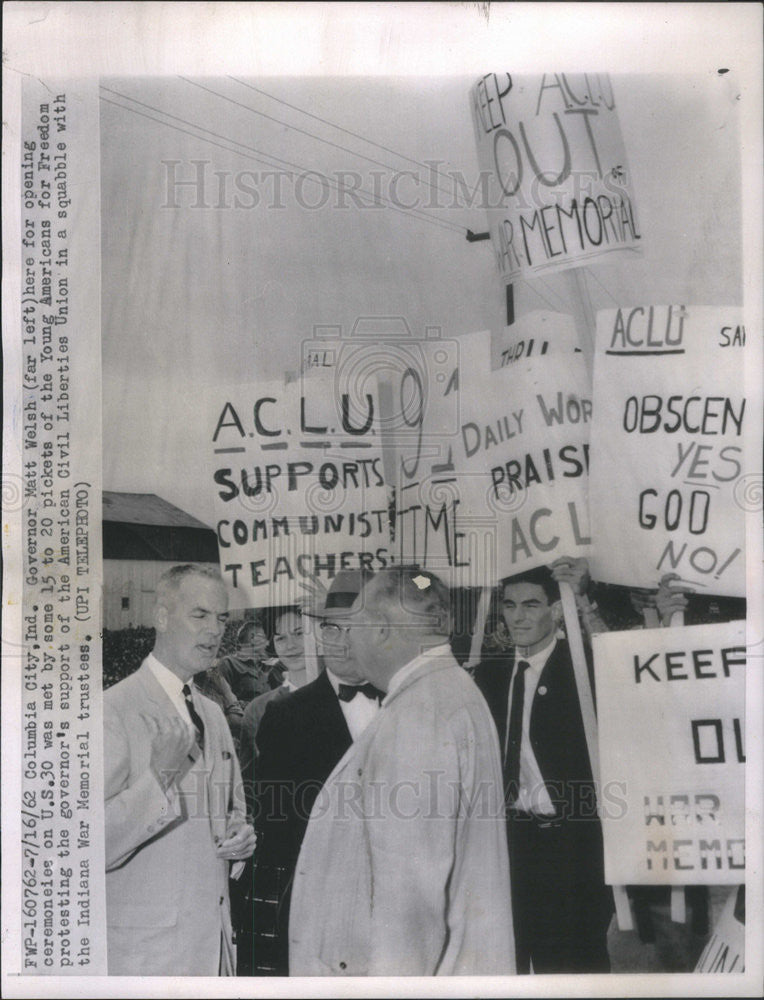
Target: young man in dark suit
x,y
299,741
561,904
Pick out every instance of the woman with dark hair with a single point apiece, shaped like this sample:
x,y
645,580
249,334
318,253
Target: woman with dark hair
x,y
287,672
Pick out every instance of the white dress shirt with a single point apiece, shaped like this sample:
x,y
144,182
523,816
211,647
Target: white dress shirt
x,y
172,686
358,712
533,796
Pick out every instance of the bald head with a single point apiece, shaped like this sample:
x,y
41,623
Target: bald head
x,y
410,598
399,613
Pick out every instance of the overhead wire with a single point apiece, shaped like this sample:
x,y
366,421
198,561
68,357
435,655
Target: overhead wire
x,y
347,131
311,135
604,289
542,297
313,175
554,293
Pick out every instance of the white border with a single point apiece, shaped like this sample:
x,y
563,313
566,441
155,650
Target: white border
x,y
158,38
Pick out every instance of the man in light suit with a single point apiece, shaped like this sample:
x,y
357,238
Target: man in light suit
x,y
561,904
175,814
403,869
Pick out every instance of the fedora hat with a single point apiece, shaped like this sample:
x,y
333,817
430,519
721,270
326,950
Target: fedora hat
x,y
343,591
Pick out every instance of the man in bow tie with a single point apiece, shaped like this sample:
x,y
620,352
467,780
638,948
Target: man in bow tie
x,y
299,741
174,816
561,904
403,869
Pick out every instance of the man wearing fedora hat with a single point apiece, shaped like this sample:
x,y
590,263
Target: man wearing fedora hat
x,y
300,739
403,868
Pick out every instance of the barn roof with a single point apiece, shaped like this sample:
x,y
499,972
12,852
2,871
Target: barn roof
x,y
144,526
146,508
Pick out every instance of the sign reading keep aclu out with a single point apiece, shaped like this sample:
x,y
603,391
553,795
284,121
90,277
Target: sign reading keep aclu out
x,y
299,488
553,170
667,447
671,710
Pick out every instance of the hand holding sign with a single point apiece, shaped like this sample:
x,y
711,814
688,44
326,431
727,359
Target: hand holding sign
x,y
670,599
574,572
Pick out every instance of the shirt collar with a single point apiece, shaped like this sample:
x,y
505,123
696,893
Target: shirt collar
x,y
537,661
170,682
399,677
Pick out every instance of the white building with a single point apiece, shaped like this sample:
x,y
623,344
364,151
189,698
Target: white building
x,y
143,536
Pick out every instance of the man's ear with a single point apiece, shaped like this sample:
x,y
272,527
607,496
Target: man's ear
x,y
383,628
160,618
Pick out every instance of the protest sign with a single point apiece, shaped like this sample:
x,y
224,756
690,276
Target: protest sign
x,y
670,704
668,447
417,376
540,333
553,170
522,460
507,492
298,483
425,428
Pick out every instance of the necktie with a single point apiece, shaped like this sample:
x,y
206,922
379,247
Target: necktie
x,y
347,692
515,729
195,717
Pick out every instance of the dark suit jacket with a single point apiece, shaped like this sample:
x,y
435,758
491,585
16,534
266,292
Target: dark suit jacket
x,y
562,907
299,741
556,726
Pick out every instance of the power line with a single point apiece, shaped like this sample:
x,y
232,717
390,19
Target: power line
x,y
605,290
542,297
311,135
554,294
340,128
313,175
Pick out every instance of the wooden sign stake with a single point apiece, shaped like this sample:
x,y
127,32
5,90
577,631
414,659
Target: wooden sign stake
x,y
586,700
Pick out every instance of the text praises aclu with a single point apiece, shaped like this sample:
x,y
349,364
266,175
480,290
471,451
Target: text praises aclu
x,y
671,711
668,438
522,459
299,487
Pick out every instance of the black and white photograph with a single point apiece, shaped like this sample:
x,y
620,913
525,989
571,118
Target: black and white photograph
x,y
382,499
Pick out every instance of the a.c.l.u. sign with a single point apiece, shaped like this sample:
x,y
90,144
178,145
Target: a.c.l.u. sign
x,y
553,174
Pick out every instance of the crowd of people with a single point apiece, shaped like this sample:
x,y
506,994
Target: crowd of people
x,y
397,814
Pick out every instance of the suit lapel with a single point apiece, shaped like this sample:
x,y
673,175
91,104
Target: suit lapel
x,y
331,717
218,767
553,677
153,690
496,691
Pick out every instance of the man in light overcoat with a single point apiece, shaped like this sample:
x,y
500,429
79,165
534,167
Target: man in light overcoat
x,y
403,870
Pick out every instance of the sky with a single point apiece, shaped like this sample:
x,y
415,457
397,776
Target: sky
x,y
220,280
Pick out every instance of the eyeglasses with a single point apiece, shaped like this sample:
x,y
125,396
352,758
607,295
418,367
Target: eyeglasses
x,y
333,631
